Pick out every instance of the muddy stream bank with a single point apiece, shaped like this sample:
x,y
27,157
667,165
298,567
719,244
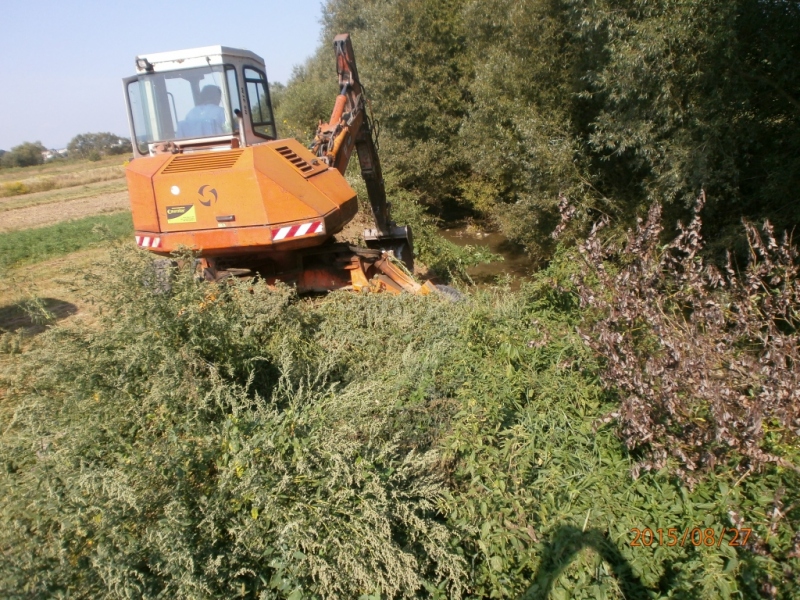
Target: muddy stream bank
x,y
515,262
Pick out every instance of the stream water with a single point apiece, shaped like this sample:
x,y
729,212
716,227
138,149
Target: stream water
x,y
514,261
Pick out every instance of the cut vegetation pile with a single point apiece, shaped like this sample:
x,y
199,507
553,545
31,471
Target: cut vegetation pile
x,y
235,441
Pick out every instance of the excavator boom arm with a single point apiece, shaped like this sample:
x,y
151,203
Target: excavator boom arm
x,y
350,128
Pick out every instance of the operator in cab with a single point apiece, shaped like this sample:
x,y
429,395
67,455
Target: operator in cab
x,y
207,117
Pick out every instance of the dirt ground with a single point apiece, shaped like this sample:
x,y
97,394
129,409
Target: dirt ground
x,y
47,214
34,295
55,283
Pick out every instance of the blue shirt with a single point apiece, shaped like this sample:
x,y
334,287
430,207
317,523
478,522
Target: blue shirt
x,y
203,120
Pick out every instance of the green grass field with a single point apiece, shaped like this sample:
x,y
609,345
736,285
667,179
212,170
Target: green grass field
x,y
28,246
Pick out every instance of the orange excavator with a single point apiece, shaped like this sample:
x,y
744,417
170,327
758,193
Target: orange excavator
x,y
209,174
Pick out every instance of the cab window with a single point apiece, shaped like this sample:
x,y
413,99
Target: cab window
x,y
183,104
233,90
259,103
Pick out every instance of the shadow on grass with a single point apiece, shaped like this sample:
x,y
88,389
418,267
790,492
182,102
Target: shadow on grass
x,y
34,316
565,544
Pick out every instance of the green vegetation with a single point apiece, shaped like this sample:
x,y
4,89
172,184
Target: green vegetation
x,y
34,245
501,106
26,154
231,440
93,146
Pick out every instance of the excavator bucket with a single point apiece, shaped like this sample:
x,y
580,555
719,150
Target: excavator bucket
x,y
398,240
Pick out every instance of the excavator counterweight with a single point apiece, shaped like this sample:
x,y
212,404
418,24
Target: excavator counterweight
x,y
210,174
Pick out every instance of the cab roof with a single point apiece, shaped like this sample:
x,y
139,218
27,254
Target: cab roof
x,y
194,57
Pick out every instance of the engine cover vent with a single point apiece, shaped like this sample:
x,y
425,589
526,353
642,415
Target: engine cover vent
x,y
306,169
183,163
298,162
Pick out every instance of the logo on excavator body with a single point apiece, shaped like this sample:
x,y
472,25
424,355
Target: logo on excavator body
x,y
181,214
207,195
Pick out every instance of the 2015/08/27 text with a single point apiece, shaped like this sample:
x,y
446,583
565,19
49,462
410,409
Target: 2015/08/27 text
x,y
697,536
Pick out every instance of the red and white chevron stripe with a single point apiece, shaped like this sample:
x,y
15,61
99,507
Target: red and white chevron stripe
x,y
293,231
145,241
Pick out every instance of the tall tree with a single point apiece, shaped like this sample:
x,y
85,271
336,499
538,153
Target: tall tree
x,y
88,144
413,59
26,154
506,107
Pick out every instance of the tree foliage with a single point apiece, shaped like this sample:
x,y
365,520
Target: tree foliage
x,y
90,145
503,106
308,98
26,154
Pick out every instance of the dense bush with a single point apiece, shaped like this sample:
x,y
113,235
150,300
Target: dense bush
x,y
199,440
707,361
26,154
211,442
501,106
14,188
93,146
19,188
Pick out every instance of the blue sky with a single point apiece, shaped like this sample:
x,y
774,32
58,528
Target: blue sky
x,y
62,62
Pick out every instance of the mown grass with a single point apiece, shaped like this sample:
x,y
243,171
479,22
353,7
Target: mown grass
x,y
58,179
236,441
62,194
58,168
34,245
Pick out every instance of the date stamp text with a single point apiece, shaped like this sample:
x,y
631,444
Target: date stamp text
x,y
695,536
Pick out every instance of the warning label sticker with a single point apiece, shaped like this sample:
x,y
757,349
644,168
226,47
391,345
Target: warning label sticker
x,y
181,214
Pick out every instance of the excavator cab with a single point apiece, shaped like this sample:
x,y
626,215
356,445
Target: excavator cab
x,y
199,99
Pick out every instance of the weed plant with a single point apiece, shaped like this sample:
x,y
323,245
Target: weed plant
x,y
706,360
235,441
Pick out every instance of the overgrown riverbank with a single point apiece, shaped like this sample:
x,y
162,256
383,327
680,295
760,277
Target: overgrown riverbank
x,y
500,107
224,441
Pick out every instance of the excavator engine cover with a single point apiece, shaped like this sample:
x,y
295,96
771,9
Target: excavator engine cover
x,y
275,196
